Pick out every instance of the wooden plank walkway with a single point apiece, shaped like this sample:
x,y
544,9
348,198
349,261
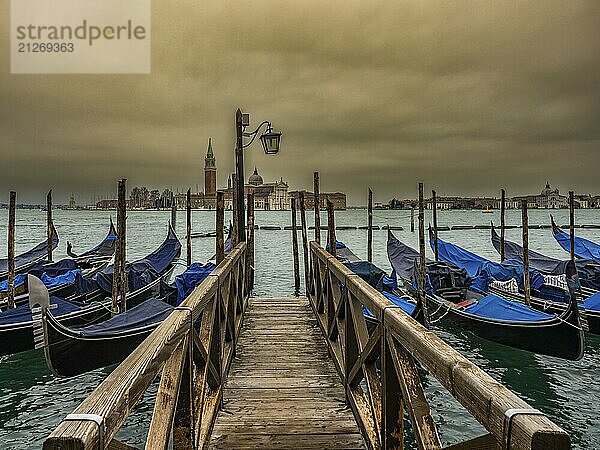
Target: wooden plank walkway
x,y
282,390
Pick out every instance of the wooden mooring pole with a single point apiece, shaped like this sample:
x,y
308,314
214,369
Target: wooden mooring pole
x,y
119,287
12,203
435,225
49,227
502,224
234,234
572,225
370,227
295,250
412,219
304,241
331,228
173,212
526,284
220,225
317,200
188,222
421,269
250,243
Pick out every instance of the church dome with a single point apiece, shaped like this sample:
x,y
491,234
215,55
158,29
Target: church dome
x,y
255,179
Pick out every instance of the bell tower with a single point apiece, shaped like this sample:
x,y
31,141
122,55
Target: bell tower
x,y
210,172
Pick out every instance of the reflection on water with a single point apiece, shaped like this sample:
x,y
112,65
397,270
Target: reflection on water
x,y
32,401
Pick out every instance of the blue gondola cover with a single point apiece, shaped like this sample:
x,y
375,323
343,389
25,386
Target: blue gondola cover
x,y
494,307
584,248
22,313
192,277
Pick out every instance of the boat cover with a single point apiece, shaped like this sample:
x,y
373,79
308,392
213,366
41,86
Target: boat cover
x,y
592,303
192,277
50,282
587,269
584,248
36,253
149,312
22,313
495,307
482,271
53,269
405,305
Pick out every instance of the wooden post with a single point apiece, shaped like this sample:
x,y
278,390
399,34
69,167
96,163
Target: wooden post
x,y
317,199
572,224
219,225
412,219
250,242
331,228
119,287
173,212
421,270
525,252
11,249
234,234
370,227
49,227
188,218
304,241
295,250
435,227
502,224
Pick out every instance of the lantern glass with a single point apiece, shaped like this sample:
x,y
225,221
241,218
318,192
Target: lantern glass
x,y
270,142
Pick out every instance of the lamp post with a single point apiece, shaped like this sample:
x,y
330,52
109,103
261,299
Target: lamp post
x,y
270,141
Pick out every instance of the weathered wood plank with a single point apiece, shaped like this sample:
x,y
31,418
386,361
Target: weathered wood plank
x,y
283,390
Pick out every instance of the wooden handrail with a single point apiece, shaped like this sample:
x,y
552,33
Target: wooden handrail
x,y
397,343
219,301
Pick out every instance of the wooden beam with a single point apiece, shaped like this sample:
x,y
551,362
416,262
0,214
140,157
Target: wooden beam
x,y
49,227
572,225
121,241
317,200
250,243
502,224
412,219
304,242
370,227
332,241
219,226
173,212
188,221
235,234
435,225
11,248
526,284
295,250
421,272
485,442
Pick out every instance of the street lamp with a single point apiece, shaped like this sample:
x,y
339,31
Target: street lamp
x,y
270,141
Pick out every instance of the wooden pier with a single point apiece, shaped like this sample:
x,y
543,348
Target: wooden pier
x,y
283,390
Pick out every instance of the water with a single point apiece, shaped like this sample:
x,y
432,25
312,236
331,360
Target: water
x,y
33,401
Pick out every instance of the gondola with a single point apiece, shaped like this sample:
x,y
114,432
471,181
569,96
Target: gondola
x,y
92,303
71,351
27,260
60,277
587,270
451,300
584,248
378,279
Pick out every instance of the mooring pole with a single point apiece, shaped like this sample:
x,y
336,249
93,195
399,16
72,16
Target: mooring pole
x,y
331,228
304,241
370,227
11,248
119,287
502,224
435,226
173,212
188,221
421,271
525,224
235,205
49,227
412,219
239,170
295,250
317,200
123,240
219,225
250,243
572,224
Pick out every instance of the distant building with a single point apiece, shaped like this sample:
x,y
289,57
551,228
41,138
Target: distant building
x,y
208,198
337,198
267,196
72,204
548,199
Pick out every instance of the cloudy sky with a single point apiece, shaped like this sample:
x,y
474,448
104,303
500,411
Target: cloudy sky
x,y
468,96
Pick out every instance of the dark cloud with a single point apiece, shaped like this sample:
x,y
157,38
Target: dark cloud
x,y
468,96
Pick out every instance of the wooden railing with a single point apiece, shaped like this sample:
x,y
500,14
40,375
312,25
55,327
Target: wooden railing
x,y
379,370
193,347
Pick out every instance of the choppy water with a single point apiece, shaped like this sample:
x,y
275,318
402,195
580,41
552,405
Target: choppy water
x,y
32,401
